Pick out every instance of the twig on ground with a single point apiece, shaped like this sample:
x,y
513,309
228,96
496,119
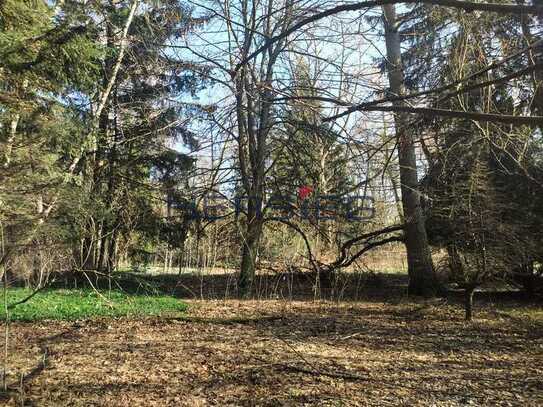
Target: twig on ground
x,y
350,336
223,321
334,374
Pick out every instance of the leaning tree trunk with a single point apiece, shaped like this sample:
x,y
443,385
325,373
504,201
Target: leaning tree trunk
x,y
422,279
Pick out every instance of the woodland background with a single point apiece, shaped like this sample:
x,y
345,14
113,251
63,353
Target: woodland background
x,y
126,128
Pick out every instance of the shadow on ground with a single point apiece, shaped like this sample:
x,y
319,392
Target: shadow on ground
x,y
285,353
292,286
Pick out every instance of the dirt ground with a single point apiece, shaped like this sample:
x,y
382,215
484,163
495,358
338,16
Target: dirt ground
x,y
282,353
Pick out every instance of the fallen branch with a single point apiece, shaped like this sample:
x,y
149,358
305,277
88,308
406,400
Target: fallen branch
x,y
108,302
224,321
336,374
312,260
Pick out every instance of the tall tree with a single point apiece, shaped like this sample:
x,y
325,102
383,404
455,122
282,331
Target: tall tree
x,y
250,23
422,279
138,121
46,61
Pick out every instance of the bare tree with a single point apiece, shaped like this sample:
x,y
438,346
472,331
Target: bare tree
x,y
247,24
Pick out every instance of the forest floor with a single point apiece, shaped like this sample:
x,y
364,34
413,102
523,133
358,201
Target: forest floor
x,y
285,353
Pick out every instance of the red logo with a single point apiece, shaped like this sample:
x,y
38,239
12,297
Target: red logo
x,y
304,191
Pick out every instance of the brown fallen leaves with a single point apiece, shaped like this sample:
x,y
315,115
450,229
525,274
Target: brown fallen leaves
x,y
274,353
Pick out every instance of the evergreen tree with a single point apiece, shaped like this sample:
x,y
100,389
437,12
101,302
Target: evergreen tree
x,y
45,62
139,123
482,179
86,114
309,155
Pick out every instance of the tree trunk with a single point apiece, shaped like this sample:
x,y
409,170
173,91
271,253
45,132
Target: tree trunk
x,y
254,109
422,279
535,56
103,258
14,123
468,302
112,251
87,255
11,139
538,99
250,249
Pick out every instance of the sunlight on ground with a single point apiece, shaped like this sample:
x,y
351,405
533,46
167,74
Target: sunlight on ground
x,y
279,353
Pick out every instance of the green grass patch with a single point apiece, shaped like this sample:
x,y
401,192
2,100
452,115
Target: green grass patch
x,y
72,304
